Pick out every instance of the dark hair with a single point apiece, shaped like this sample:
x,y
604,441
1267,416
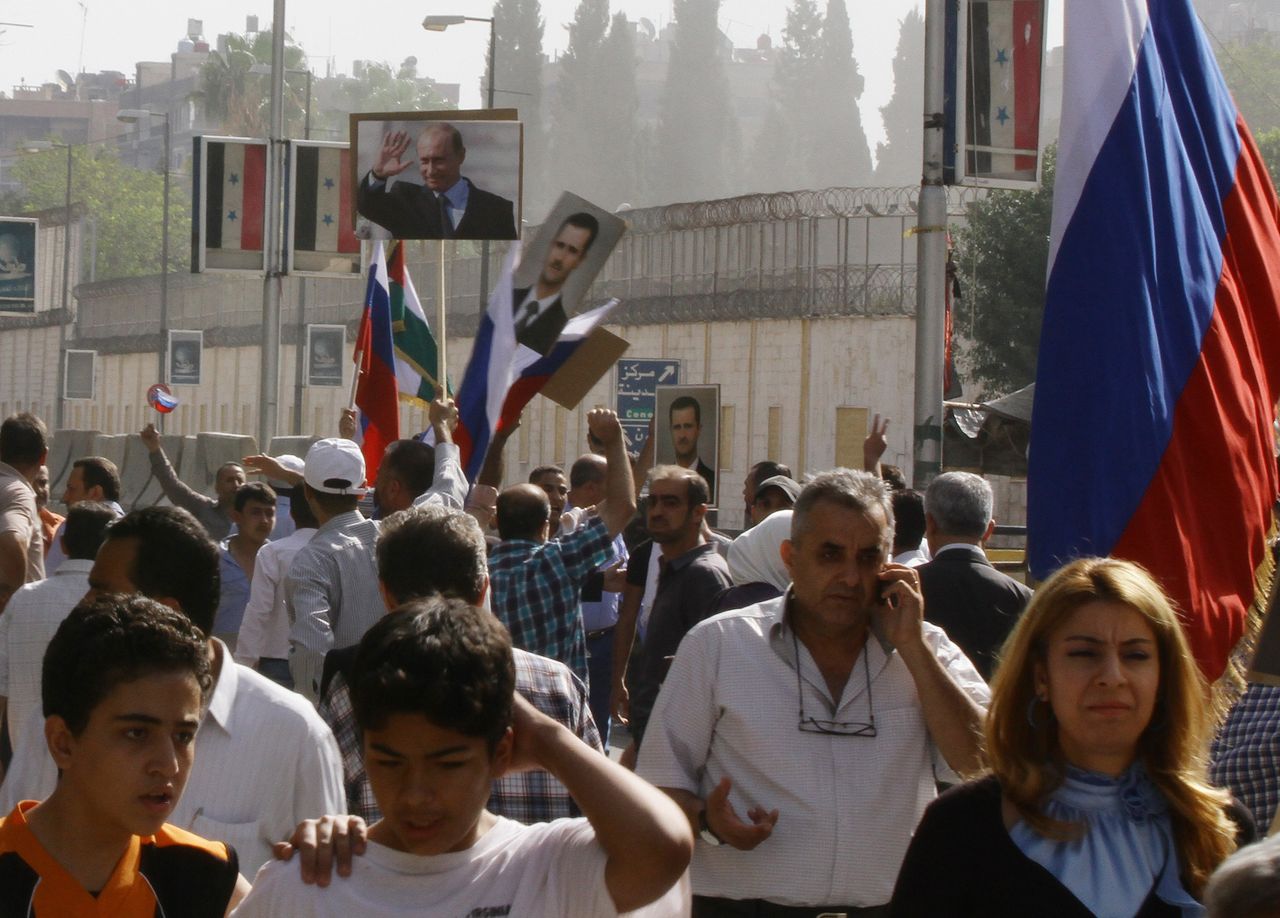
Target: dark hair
x,y
300,511
333,504
587,470
432,549
544,470
582,220
683,402
696,489
439,657
102,472
908,519
520,516
766,469
257,491
86,529
175,557
23,439
412,462
894,477
228,465
112,639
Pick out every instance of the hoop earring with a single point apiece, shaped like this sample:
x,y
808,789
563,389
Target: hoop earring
x,y
1031,713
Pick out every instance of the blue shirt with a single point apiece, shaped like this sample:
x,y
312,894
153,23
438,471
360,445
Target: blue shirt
x,y
234,595
535,587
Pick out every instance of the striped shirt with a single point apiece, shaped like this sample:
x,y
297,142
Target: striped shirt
x,y
29,621
527,796
535,588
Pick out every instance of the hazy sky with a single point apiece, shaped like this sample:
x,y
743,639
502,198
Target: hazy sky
x,y
117,33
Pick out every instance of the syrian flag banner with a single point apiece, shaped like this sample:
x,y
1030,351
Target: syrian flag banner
x,y
229,217
502,376
1159,364
416,350
376,390
322,196
1002,123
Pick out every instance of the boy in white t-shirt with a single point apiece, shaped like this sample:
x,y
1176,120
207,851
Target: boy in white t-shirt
x,y
433,691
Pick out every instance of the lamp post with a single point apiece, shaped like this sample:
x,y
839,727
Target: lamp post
x,y
66,279
131,116
439,24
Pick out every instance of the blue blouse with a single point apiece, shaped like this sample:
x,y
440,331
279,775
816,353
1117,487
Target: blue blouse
x,y
1127,847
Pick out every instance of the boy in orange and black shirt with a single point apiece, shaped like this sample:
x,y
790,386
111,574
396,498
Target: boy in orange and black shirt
x,y
124,683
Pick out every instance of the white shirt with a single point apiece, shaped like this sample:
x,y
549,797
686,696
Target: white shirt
x,y
29,621
55,556
913,557
264,630
264,762
847,804
550,869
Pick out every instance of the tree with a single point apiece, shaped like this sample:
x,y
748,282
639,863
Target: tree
x,y
796,73
1003,254
696,124
619,145
1269,146
241,99
518,84
898,158
838,153
378,88
126,204
576,106
1251,67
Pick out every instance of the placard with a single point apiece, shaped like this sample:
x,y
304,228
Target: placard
x,y
688,431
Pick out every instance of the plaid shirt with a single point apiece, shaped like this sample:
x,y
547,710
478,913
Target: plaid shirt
x,y
535,589
1245,756
530,796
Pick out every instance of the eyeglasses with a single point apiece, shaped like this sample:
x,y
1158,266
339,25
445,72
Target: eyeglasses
x,y
835,727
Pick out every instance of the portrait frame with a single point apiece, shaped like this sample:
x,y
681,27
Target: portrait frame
x,y
186,357
326,348
493,140
19,274
708,443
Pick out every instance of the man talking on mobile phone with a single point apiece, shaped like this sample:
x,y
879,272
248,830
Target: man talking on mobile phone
x,y
804,736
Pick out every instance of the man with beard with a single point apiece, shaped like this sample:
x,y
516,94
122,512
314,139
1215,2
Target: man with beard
x,y
693,575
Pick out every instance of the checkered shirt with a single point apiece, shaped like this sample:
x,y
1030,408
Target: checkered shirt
x,y
1245,756
530,796
535,589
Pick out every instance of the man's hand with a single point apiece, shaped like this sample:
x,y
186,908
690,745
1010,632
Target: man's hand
x,y
733,831
388,162
263,464
620,703
443,415
347,424
615,578
874,446
150,438
901,609
323,843
529,726
603,424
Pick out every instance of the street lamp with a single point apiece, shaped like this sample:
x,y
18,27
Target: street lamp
x,y
132,116
36,146
439,24
262,69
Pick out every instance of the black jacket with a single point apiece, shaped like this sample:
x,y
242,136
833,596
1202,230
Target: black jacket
x,y
410,211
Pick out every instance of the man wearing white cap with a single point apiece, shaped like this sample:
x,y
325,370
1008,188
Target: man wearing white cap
x,y
331,589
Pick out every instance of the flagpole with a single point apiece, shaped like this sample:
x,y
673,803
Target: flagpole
x,y
441,370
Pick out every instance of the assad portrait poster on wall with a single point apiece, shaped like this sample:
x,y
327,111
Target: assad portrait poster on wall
x,y
325,345
186,352
437,174
687,427
18,264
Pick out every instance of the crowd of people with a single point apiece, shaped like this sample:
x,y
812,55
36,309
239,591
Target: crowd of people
x,y
313,695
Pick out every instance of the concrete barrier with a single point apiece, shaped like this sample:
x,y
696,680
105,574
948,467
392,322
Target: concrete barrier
x,y
139,488
213,450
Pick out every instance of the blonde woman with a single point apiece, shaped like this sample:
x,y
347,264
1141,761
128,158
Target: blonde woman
x,y
1099,801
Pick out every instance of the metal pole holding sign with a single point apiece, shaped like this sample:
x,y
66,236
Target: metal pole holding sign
x,y
441,368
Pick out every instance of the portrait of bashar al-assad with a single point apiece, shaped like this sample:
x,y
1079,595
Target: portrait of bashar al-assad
x,y
453,200
689,437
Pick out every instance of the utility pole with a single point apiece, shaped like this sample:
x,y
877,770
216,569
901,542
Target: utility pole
x,y
269,377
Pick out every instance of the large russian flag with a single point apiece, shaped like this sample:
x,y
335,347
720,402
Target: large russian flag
x,y
377,395
1160,352
502,376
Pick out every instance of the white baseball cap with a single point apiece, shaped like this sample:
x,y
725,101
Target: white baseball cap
x,y
335,466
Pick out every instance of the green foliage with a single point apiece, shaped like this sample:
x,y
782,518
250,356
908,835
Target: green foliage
x,y
697,129
240,99
1002,256
126,204
898,158
518,84
1251,67
1269,146
839,153
380,88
